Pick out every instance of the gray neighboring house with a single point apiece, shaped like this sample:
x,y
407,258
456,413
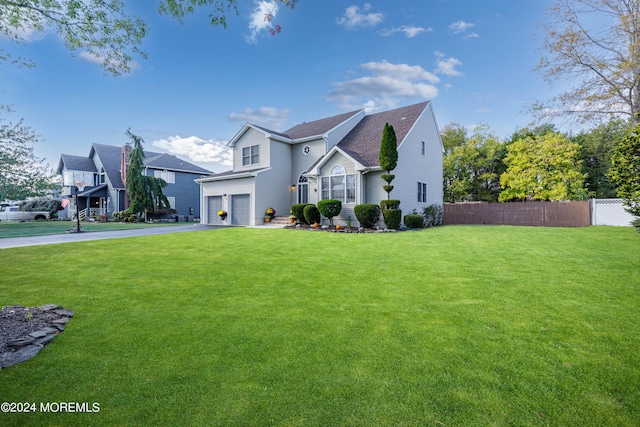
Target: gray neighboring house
x,y
331,158
104,171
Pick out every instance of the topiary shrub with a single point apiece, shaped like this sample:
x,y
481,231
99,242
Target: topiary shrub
x,y
311,214
414,220
367,214
390,204
392,217
330,208
297,210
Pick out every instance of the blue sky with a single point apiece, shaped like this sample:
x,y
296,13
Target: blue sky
x,y
474,60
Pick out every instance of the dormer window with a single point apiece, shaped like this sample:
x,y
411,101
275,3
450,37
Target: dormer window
x,y
251,155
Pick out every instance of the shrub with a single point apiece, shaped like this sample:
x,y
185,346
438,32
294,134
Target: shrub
x,y
389,204
433,215
636,224
392,217
311,214
367,214
330,208
298,211
414,220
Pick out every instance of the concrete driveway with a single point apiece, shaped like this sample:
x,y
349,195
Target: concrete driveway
x,y
16,242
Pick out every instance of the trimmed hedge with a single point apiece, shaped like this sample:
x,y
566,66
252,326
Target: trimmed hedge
x,y
367,214
389,204
414,220
330,208
311,214
297,210
392,217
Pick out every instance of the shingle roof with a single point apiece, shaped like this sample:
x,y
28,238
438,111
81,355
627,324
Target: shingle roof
x,y
110,157
77,163
363,142
317,127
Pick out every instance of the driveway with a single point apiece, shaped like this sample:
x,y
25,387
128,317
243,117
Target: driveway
x,y
16,242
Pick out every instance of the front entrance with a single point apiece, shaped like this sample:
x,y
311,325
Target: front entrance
x,y
240,209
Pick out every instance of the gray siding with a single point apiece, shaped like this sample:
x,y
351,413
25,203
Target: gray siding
x,y
273,187
185,190
251,137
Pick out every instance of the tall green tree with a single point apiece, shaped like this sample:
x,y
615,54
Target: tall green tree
x,y
625,170
22,173
593,48
543,167
596,148
388,157
472,165
103,28
144,192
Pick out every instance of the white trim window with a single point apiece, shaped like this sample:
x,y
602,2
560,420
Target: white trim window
x,y
422,192
339,186
168,176
172,202
251,155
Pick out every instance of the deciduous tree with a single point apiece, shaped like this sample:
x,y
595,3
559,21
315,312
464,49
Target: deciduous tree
x,y
543,167
593,48
22,173
625,170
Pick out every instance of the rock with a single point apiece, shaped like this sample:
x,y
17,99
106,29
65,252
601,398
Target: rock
x,y
21,342
61,321
49,307
25,353
65,312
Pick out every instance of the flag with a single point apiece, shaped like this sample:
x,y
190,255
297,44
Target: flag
x,y
64,203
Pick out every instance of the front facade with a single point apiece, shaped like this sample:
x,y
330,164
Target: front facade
x,y
332,158
103,174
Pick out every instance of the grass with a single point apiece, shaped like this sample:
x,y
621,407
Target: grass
x,y
449,326
40,228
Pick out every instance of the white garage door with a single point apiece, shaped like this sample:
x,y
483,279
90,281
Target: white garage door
x,y
214,205
240,209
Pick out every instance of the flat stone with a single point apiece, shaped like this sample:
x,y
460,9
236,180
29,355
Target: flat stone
x,y
48,307
60,327
43,332
65,312
60,321
26,340
10,358
46,340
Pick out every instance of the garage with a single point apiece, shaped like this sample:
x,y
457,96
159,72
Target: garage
x,y
240,209
214,204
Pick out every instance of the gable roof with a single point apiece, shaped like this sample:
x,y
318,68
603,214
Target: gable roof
x,y
318,127
363,142
75,163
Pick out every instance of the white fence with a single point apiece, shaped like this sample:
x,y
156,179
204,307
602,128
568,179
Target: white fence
x,y
609,212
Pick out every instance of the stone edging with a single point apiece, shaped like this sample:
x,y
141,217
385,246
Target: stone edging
x,y
27,346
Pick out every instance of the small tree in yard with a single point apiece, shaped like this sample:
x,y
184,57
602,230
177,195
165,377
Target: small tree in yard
x,y
388,160
625,172
329,209
144,192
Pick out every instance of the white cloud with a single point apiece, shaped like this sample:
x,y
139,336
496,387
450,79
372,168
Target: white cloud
x,y
259,21
269,117
460,26
386,84
471,36
353,18
197,150
409,31
447,66
93,59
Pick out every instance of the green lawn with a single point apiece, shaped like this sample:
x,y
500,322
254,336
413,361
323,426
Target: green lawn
x,y
39,228
455,326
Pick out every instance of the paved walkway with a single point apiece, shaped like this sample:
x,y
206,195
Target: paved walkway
x,y
16,242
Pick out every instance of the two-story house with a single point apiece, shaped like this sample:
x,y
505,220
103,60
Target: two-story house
x,y
103,174
331,158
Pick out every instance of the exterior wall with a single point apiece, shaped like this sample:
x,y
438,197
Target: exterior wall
x,y
301,162
349,167
185,190
273,186
413,167
251,137
224,189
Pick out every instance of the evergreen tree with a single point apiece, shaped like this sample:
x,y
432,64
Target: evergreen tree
x,y
388,157
144,192
625,170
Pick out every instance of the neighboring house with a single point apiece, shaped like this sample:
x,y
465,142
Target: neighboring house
x,y
332,158
104,172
